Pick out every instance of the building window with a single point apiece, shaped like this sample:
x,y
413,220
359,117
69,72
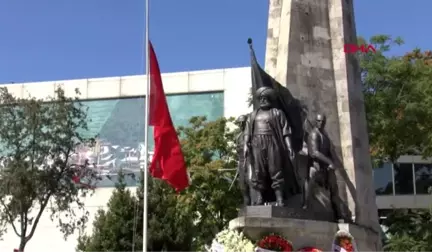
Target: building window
x,y
383,179
183,107
119,127
403,177
423,178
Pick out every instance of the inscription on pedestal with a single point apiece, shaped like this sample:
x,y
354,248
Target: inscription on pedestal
x,y
270,211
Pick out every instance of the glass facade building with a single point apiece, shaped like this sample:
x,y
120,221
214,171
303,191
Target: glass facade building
x,y
118,125
403,178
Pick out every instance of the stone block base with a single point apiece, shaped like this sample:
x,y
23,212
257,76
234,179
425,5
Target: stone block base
x,y
320,209
304,233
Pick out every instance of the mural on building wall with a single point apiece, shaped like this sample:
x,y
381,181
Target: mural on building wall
x,y
119,127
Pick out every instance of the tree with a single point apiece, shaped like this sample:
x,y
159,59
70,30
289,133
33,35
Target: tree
x,y
37,140
398,99
191,219
120,227
115,228
409,230
210,155
170,226
188,220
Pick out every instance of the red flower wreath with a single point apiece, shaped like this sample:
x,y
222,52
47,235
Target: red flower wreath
x,y
345,242
275,242
310,249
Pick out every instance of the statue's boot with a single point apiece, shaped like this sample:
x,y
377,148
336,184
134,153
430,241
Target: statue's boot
x,y
247,195
259,198
305,195
246,200
279,198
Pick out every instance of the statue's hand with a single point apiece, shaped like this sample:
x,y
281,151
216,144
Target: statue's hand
x,y
291,154
331,167
245,152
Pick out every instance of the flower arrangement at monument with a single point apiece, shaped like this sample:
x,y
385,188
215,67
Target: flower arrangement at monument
x,y
310,249
231,240
273,242
344,242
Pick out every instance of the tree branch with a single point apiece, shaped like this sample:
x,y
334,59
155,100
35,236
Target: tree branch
x,y
45,203
25,222
11,220
38,216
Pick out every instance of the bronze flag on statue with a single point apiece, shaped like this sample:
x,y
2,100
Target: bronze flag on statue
x,y
294,111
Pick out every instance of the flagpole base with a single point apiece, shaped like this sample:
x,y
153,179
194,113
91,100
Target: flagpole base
x,y
307,233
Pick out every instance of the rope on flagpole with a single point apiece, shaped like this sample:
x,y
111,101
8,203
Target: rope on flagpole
x,y
146,126
135,223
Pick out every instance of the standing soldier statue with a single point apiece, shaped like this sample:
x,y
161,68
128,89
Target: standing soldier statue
x,y
268,149
242,164
320,167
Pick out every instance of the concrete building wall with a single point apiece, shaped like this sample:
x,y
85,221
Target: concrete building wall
x,y
48,237
234,83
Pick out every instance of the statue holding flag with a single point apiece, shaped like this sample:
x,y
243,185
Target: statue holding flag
x,y
272,136
269,150
280,145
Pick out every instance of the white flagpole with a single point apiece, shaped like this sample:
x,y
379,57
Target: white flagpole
x,y
146,125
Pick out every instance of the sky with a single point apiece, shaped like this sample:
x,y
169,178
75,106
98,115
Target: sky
x,y
44,40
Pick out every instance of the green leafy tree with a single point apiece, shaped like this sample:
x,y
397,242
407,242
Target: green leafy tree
x,y
211,158
398,99
405,242
188,220
37,140
120,227
115,228
170,226
409,230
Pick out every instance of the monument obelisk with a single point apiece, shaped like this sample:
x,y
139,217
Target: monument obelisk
x,y
305,51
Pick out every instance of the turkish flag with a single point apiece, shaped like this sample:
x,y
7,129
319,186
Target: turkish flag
x,y
168,162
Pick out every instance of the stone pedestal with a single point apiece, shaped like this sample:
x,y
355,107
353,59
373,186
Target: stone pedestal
x,y
302,227
305,51
318,210
305,233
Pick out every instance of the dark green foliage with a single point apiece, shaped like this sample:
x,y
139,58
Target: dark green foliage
x,y
409,230
170,227
113,230
120,227
398,98
37,140
210,153
188,220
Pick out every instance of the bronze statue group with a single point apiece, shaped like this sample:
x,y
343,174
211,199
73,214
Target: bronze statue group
x,y
283,157
267,169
